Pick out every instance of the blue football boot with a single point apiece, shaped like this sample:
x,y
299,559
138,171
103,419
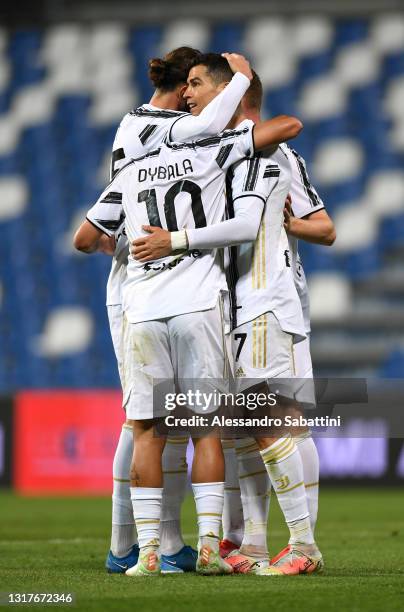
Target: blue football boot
x,y
184,559
119,565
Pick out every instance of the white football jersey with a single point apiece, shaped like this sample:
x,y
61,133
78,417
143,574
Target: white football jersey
x,y
258,277
179,185
305,200
140,131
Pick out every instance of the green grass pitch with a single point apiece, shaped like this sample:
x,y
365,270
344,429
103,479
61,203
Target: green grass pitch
x,y
60,544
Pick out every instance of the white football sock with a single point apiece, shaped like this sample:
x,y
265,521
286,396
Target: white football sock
x,y
233,518
209,508
284,467
146,503
123,535
175,486
311,472
255,495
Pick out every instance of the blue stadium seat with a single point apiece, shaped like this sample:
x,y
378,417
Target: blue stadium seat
x,y
227,37
393,366
362,263
350,31
23,51
314,66
393,66
144,45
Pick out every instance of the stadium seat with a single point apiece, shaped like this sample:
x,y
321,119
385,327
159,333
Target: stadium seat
x,y
68,330
13,197
338,160
330,296
385,193
357,64
264,35
356,227
185,32
393,366
322,97
226,36
387,33
9,134
393,102
311,35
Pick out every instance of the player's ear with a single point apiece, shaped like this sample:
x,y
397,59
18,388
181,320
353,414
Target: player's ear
x,y
221,86
181,91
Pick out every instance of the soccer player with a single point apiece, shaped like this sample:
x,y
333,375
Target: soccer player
x,y
140,131
305,219
268,311
177,184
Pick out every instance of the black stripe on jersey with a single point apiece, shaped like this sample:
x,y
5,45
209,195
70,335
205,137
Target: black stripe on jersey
x,y
272,172
153,153
113,197
232,273
314,199
112,225
223,155
116,156
207,142
252,174
146,133
158,114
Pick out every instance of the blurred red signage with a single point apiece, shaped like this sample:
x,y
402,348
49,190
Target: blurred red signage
x,y
64,441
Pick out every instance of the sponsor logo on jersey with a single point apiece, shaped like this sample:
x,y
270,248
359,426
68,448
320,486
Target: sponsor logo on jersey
x,y
159,267
240,372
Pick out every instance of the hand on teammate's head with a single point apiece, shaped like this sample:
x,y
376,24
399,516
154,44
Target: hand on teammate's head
x,y
238,63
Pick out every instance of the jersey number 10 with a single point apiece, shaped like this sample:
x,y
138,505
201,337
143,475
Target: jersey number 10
x,y
150,198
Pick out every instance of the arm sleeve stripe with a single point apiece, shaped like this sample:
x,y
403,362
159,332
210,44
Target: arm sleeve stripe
x,y
113,197
158,114
146,133
112,226
206,142
311,192
249,195
309,213
223,155
98,227
116,156
252,174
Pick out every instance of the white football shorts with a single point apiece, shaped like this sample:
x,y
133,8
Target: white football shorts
x,y
115,317
302,359
304,372
189,346
261,350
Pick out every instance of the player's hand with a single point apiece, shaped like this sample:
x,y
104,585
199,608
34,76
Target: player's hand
x,y
287,212
238,63
157,244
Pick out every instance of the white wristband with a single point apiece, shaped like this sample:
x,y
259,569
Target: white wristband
x,y
179,241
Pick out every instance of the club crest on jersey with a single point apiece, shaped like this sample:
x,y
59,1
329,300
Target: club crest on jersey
x,y
282,482
165,173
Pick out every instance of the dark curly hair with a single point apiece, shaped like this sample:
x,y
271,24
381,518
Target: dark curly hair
x,y
172,70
